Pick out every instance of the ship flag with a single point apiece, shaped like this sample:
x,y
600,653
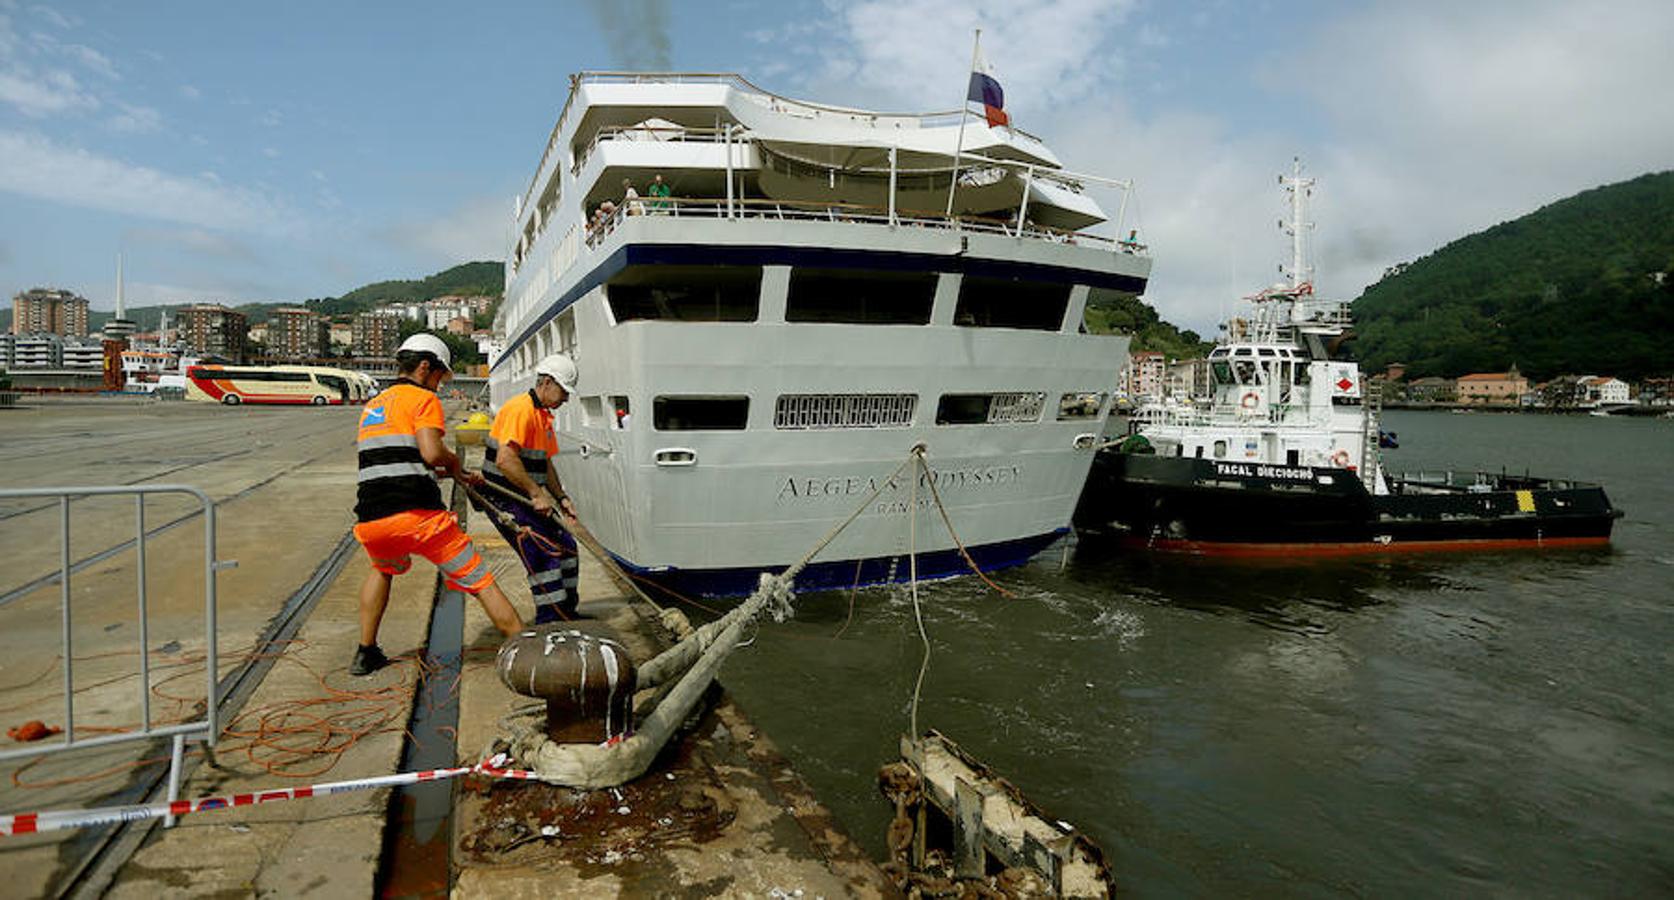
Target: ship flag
x,y
985,89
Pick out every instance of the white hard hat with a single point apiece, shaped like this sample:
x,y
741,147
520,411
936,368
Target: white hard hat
x,y
425,342
559,368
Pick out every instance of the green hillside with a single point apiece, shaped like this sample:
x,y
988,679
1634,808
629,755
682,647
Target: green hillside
x,y
473,279
1584,285
1109,312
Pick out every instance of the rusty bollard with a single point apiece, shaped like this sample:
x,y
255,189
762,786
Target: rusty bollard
x,y
587,682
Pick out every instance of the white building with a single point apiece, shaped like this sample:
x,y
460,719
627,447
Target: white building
x,y
37,351
82,354
1604,390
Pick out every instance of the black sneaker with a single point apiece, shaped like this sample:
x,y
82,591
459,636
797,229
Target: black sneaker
x,y
368,660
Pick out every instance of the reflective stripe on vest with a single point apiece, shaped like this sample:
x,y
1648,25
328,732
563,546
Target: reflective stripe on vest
x,y
392,470
534,463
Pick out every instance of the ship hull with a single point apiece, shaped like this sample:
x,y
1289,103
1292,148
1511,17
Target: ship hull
x,y
847,573
1205,507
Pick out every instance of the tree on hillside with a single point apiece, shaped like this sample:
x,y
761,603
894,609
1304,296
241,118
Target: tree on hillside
x,y
1571,287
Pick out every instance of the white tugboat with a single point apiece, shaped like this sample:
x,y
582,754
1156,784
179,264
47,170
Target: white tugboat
x,y
1283,457
811,297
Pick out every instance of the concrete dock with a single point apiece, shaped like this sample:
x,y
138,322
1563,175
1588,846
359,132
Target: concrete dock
x,y
720,813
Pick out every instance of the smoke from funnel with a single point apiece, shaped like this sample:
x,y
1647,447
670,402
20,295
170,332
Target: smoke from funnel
x,y
637,31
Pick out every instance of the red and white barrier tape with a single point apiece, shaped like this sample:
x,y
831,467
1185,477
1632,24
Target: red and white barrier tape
x,y
30,823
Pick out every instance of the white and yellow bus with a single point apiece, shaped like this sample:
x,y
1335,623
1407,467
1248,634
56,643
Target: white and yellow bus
x,y
291,385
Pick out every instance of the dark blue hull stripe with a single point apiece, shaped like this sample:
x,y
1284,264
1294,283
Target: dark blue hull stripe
x,y
840,574
818,258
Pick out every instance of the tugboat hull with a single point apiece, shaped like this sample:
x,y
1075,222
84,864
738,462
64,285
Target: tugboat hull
x,y
1208,507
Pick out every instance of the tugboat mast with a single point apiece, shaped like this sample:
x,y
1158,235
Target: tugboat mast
x,y
1300,189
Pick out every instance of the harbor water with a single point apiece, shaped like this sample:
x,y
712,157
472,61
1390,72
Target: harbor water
x,y
1432,725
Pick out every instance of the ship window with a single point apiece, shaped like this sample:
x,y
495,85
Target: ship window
x,y
700,413
799,411
1080,406
1199,453
1003,303
686,293
1266,351
989,409
592,411
619,411
1220,449
860,298
1222,371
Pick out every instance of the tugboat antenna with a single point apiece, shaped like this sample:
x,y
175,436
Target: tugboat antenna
x,y
1300,273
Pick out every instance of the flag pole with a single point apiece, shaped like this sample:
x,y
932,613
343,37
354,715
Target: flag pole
x,y
964,113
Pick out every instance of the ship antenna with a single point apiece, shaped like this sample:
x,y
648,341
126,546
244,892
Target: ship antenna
x,y
1300,188
119,309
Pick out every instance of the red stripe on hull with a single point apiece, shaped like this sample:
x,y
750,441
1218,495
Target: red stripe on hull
x,y
1358,548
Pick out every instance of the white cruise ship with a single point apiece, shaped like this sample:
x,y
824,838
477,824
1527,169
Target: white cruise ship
x,y
761,347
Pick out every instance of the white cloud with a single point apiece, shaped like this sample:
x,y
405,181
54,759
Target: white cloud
x,y
94,60
198,241
55,17
43,94
915,54
271,119
271,152
38,167
476,229
190,92
136,120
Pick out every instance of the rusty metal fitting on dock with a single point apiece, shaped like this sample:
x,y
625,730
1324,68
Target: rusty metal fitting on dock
x,y
588,682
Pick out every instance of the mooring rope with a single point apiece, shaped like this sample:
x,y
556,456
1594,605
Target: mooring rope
x,y
912,575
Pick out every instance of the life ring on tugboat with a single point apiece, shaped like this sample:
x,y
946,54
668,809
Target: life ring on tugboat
x,y
1250,400
1340,459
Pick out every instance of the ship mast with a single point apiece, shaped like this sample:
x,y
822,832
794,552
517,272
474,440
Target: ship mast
x,y
1300,189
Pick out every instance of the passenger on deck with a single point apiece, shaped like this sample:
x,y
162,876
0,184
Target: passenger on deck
x,y
659,193
630,198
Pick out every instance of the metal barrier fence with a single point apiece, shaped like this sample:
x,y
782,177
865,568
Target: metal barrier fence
x,y
204,729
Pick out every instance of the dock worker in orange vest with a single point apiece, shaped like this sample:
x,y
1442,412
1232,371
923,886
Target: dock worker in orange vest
x,y
399,503
521,446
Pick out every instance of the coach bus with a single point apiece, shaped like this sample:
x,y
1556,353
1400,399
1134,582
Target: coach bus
x,y
294,385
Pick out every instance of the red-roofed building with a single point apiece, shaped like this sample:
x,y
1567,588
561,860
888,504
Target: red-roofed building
x,y
1492,388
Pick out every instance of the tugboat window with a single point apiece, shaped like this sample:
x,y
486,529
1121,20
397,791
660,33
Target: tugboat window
x,y
1003,303
686,293
700,413
855,297
1220,449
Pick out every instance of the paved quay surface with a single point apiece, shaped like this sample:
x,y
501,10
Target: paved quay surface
x,y
721,813
283,483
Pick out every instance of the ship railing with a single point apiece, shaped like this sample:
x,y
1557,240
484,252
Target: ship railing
x,y
855,213
1278,414
663,134
202,726
1334,313
1474,481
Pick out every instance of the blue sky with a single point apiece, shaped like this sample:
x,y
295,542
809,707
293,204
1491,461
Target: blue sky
x,y
240,151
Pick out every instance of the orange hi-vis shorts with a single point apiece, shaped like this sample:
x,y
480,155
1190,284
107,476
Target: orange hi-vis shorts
x,y
431,533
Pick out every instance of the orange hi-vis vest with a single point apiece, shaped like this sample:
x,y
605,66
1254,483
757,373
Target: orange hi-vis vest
x,y
393,476
525,422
